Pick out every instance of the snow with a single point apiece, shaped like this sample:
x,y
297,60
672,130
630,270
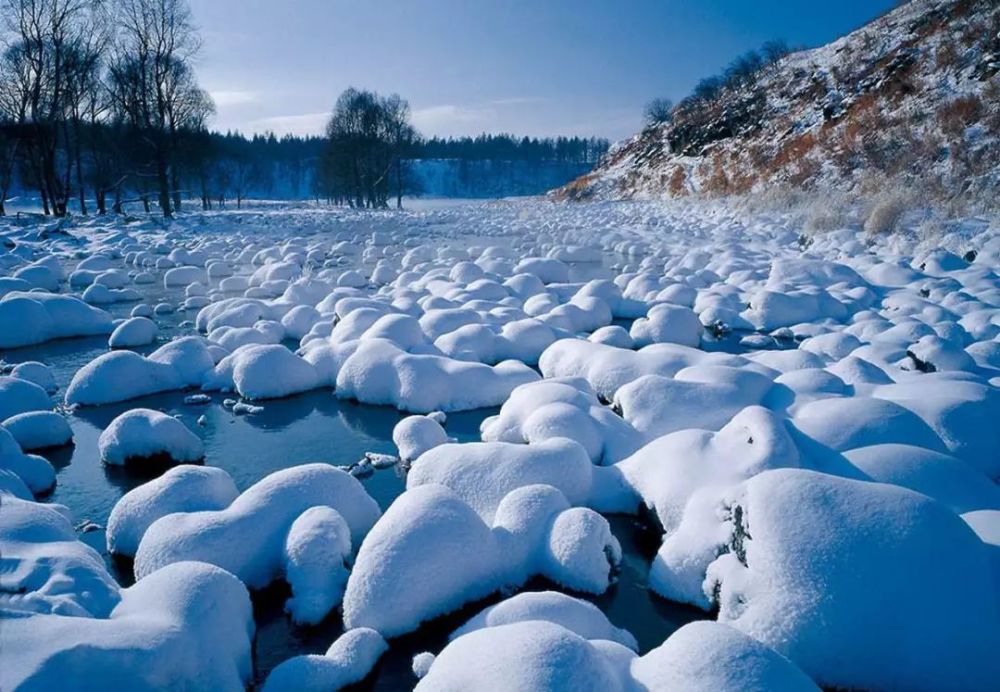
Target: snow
x,y
578,616
827,490
34,318
379,372
37,373
415,435
259,538
447,555
317,550
348,660
35,472
183,488
159,632
135,331
714,656
39,430
263,372
140,434
835,593
21,396
47,569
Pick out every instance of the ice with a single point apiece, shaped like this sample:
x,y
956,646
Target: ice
x,y
141,434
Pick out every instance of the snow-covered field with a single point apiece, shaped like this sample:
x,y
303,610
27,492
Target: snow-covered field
x,y
515,445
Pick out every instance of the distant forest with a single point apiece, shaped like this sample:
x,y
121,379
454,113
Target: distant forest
x,y
100,108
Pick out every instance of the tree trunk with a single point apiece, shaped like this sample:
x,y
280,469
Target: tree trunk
x,y
163,180
399,183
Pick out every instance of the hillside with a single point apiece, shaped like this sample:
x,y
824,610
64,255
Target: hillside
x,y
910,101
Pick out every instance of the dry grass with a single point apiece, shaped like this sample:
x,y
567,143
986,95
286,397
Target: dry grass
x,y
885,213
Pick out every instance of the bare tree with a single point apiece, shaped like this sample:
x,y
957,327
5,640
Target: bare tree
x,y
658,111
152,82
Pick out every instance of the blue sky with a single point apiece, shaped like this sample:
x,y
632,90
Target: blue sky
x,y
536,67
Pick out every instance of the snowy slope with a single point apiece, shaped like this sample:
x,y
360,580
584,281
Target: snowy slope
x,y
909,101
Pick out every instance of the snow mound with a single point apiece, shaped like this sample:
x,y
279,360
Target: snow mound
x,y
182,488
826,570
415,435
142,433
254,539
135,331
447,555
161,633
262,371
46,568
39,430
20,396
34,318
348,660
379,372
578,616
562,407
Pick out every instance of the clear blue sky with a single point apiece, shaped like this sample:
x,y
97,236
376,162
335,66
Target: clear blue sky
x,y
536,67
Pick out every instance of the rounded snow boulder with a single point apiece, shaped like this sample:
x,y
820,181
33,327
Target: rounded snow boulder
x,y
142,434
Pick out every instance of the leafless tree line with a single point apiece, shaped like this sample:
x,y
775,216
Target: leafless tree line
x,y
98,98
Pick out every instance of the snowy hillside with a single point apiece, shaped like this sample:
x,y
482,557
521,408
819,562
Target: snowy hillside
x,y
909,102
